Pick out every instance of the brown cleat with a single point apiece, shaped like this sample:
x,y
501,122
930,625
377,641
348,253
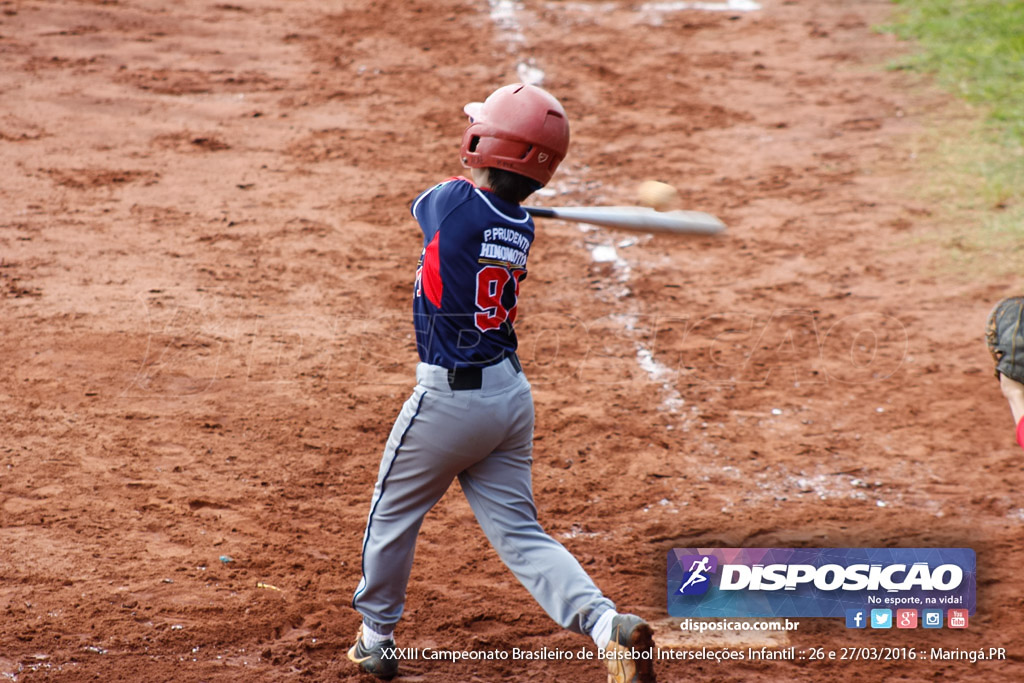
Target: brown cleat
x,y
630,653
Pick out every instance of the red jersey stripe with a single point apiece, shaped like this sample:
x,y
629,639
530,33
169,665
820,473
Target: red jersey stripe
x,y
433,286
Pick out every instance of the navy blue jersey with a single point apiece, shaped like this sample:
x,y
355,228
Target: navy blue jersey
x,y
467,285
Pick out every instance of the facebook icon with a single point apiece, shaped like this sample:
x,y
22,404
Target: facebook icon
x,y
856,618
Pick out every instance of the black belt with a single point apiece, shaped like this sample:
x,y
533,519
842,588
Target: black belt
x,y
472,377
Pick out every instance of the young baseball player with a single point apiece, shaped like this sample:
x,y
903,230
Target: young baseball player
x,y
470,415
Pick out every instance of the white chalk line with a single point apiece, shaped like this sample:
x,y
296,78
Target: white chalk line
x,y
505,15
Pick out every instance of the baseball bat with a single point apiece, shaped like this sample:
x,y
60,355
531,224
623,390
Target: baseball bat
x,y
634,218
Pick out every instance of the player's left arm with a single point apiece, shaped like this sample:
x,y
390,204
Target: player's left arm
x,y
433,206
1014,393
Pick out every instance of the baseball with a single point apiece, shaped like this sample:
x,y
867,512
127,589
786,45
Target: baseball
x,y
657,195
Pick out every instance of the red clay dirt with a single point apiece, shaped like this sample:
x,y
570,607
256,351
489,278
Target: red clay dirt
x,y
206,261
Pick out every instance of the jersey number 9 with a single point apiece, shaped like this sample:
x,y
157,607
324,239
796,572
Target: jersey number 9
x,y
490,292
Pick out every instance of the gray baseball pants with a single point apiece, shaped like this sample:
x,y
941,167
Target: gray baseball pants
x,y
485,438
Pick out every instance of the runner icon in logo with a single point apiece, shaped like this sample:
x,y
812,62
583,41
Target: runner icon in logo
x,y
700,566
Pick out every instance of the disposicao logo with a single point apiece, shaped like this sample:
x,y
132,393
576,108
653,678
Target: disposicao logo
x,y
818,582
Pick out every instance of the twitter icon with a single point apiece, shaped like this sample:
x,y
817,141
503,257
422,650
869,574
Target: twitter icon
x,y
881,618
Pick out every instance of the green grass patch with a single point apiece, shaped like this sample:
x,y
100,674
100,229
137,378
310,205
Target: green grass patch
x,y
974,166
975,48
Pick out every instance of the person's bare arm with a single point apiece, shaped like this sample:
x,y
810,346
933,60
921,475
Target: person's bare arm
x,y
1014,393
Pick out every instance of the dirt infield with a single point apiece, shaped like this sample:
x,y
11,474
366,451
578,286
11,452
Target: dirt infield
x,y
206,260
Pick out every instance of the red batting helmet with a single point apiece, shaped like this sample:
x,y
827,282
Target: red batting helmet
x,y
518,128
